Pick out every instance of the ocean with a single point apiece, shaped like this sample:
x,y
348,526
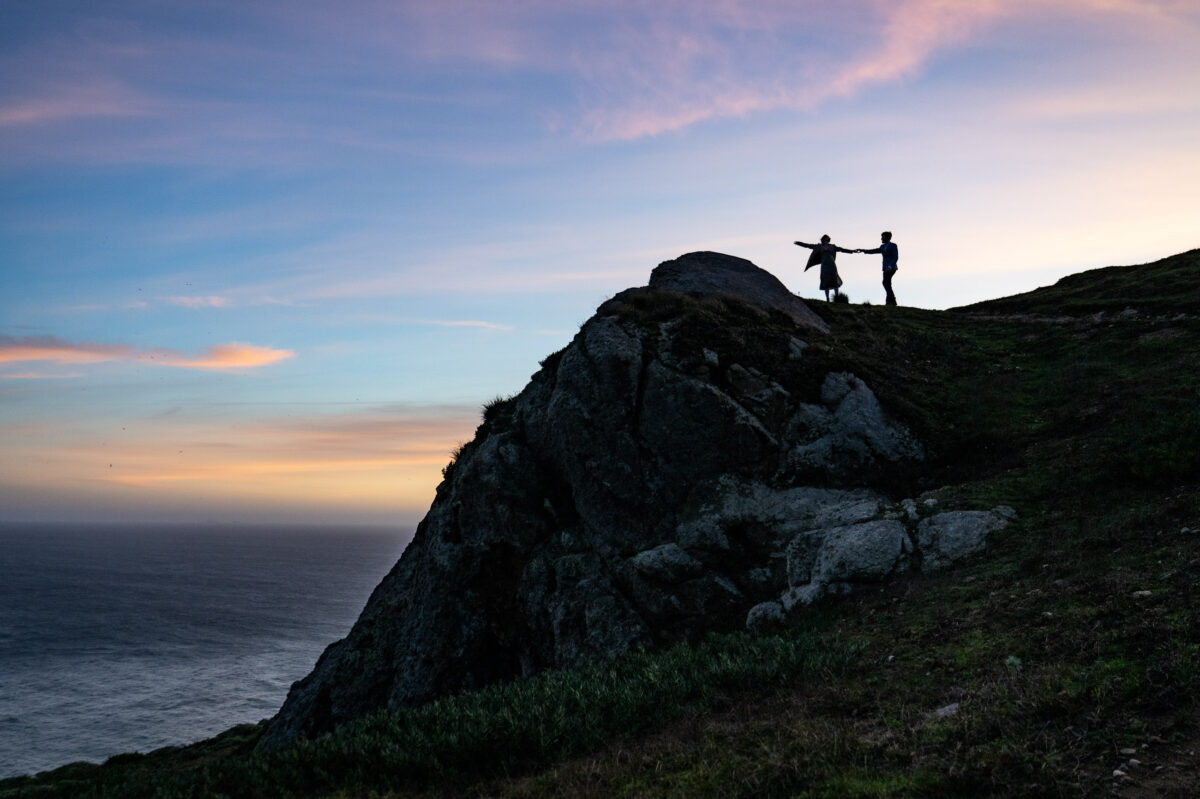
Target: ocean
x,y
129,638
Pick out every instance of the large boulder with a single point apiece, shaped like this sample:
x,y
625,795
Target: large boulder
x,y
681,463
714,273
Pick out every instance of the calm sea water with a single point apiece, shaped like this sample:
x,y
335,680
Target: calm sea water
x,y
122,639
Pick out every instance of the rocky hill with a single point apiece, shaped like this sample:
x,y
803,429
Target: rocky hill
x,y
689,463
589,514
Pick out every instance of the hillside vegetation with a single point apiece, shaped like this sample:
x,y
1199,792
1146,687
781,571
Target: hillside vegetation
x,y
1062,661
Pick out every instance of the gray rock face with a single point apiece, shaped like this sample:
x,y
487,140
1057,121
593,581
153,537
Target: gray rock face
x,y
846,431
684,465
947,537
833,541
837,560
856,553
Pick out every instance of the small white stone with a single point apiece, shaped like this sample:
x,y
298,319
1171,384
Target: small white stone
x,y
947,711
764,615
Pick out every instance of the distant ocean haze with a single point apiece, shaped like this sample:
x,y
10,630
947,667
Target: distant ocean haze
x,y
128,638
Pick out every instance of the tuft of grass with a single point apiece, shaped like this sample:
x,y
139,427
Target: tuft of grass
x,y
497,409
455,454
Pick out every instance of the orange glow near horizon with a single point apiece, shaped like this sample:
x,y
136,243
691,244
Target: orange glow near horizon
x,y
353,465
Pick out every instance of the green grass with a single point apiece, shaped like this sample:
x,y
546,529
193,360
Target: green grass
x,y
504,729
1165,287
1073,637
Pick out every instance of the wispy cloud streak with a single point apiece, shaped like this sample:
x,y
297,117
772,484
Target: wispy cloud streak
x,y
56,350
199,302
391,319
77,100
621,69
49,349
642,70
816,54
224,357
39,375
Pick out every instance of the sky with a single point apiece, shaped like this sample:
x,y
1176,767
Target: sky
x,y
265,261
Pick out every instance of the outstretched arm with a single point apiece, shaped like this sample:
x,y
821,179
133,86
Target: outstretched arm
x,y
843,249
875,251
809,246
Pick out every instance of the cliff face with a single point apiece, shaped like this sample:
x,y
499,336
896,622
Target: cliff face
x,y
682,466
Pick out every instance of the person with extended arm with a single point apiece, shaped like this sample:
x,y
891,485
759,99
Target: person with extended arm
x,y
825,254
891,255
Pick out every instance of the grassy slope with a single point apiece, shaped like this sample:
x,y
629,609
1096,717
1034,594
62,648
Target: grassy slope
x,y
1072,639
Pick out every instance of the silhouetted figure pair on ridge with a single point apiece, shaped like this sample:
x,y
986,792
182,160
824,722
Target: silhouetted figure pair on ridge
x,y
825,254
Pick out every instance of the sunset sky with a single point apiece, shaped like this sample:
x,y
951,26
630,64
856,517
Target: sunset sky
x,y
264,261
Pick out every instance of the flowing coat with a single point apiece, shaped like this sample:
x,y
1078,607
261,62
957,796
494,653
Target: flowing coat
x,y
826,255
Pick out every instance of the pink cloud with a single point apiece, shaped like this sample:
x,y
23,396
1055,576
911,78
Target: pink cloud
x,y
223,357
684,69
912,33
56,350
672,65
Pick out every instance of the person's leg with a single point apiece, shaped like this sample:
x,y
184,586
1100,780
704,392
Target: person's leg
x,y
887,286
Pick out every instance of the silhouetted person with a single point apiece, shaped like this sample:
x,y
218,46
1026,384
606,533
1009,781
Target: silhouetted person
x,y
825,254
891,254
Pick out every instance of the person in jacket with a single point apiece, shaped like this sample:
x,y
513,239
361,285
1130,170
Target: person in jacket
x,y
825,254
891,255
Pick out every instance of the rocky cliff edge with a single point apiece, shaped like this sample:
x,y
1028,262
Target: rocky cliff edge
x,y
682,466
